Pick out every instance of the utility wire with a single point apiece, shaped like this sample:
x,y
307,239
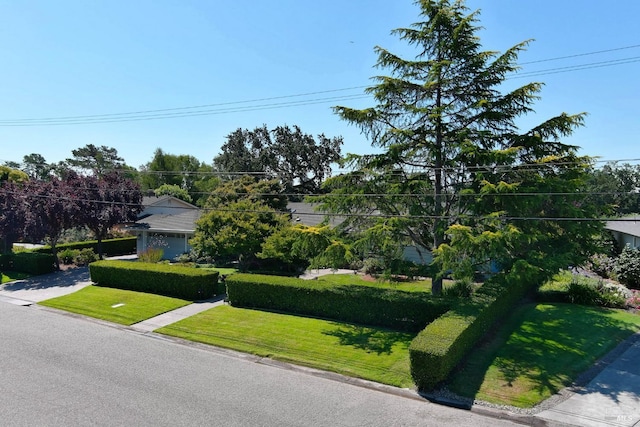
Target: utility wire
x,y
580,54
362,215
201,110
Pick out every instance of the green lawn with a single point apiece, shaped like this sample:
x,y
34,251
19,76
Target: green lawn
x,y
115,305
10,276
539,350
371,353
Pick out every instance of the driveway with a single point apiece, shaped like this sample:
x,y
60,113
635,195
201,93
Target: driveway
x,y
46,286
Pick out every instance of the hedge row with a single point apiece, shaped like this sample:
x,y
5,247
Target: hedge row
x,y
409,311
113,247
436,351
28,262
161,279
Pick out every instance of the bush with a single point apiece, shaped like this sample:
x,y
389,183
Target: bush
x,y
85,257
602,265
32,263
627,267
113,247
68,256
409,311
168,280
151,255
586,292
436,351
462,288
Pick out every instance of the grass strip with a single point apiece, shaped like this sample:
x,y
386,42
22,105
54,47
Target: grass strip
x,y
539,350
371,353
115,305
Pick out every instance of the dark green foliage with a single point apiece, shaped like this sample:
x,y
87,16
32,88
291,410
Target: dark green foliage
x,y
452,151
298,160
160,279
358,304
436,351
28,262
577,289
627,267
77,256
617,185
112,247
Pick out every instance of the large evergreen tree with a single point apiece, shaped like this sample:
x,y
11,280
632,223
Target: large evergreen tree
x,y
450,143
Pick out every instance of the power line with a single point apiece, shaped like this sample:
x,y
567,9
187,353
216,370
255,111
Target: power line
x,y
581,54
187,108
576,67
205,109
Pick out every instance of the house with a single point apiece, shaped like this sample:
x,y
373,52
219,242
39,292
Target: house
x,y
625,231
166,223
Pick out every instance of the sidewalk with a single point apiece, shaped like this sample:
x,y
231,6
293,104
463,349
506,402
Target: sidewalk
x,y
611,398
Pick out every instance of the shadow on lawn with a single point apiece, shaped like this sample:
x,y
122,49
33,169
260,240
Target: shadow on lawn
x,y
379,341
548,345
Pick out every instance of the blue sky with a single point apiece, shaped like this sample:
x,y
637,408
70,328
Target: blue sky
x,y
70,58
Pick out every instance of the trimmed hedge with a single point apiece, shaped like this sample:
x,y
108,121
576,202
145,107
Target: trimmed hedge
x,y
436,351
408,311
161,279
28,262
113,247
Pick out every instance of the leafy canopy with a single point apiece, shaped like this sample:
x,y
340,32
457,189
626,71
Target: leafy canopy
x,y
453,155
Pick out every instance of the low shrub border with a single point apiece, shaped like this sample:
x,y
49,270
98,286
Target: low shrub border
x,y
436,351
406,311
28,262
161,279
112,247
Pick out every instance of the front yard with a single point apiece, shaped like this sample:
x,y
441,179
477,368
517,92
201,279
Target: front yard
x,y
537,350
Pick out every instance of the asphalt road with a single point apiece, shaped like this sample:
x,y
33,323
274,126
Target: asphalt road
x,y
61,370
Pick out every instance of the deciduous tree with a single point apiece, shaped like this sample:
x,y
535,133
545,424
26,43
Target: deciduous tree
x,y
299,160
104,202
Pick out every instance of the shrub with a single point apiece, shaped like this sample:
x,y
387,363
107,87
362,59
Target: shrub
x,y
627,267
68,256
85,257
437,349
32,263
168,280
602,265
113,247
462,288
151,255
409,311
634,300
582,292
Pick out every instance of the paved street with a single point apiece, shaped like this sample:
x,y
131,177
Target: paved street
x,y
61,370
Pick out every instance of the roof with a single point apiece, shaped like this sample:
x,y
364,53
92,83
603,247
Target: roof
x,y
182,222
307,214
630,226
154,200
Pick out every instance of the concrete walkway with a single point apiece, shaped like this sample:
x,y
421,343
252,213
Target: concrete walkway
x,y
178,314
611,398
